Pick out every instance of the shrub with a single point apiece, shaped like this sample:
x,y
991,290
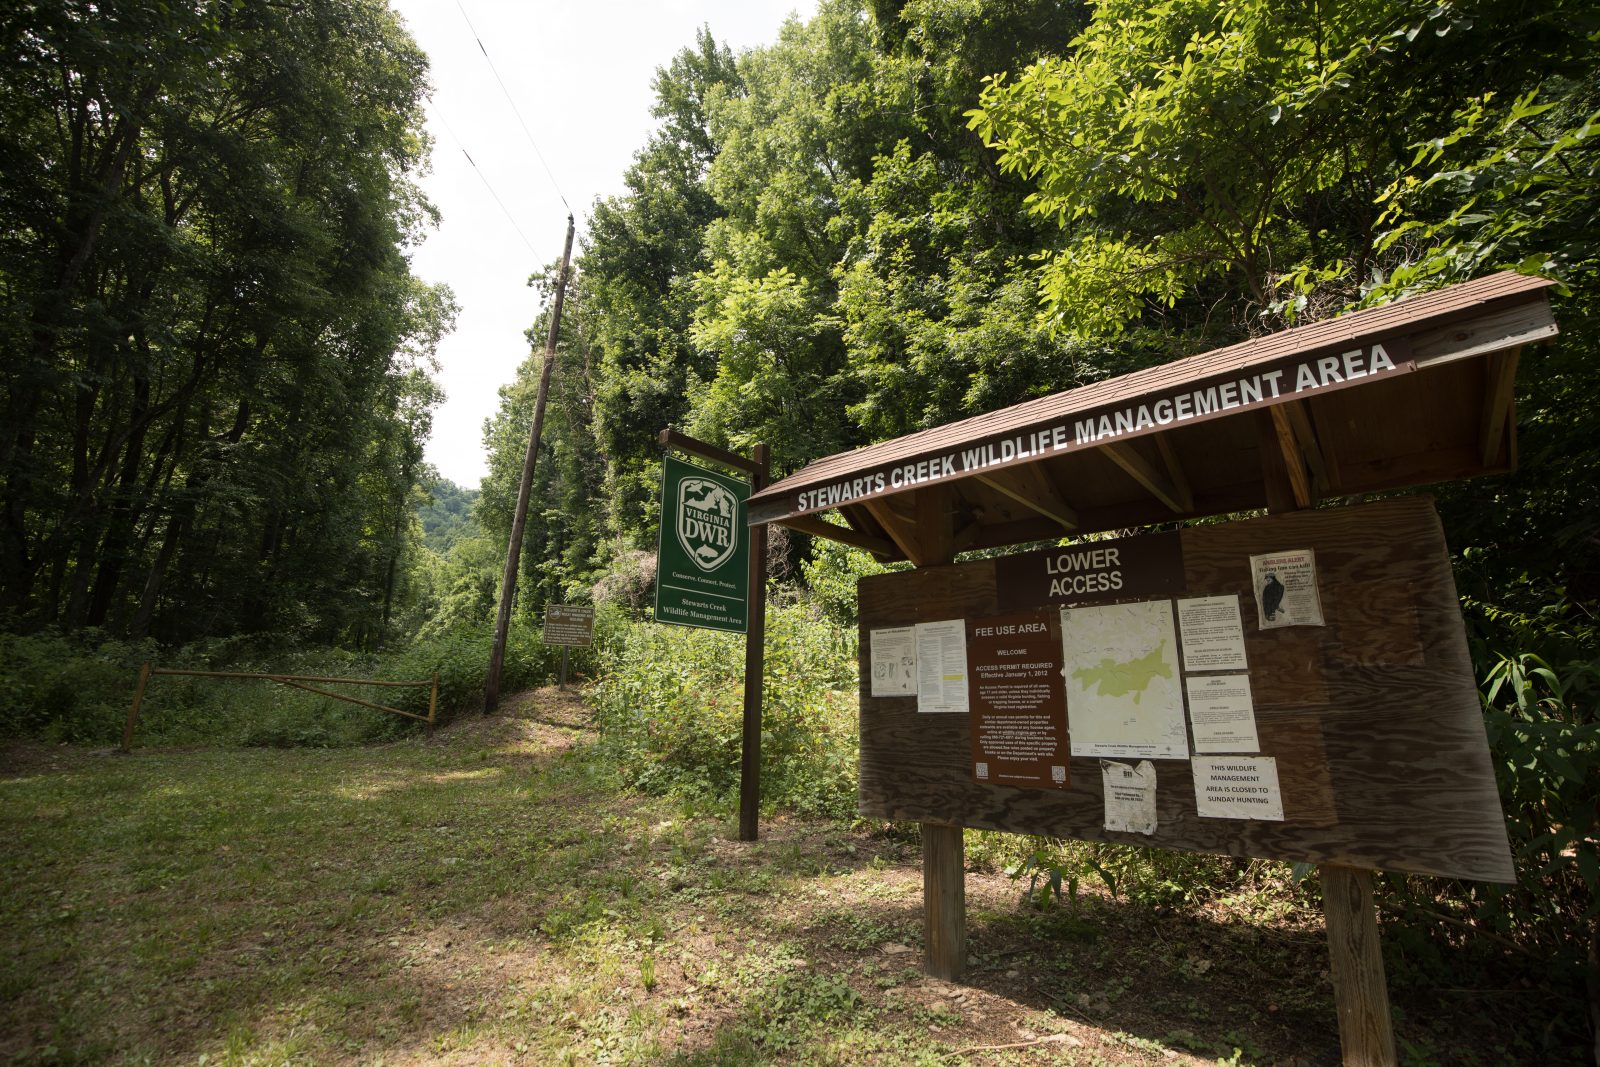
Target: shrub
x,y
59,688
79,688
670,707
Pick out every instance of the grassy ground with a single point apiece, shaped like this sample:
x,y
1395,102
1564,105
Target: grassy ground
x,y
491,896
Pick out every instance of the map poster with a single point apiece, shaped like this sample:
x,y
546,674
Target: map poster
x,y
1222,713
1286,589
941,651
1130,794
894,662
1237,787
1019,711
1213,634
1123,693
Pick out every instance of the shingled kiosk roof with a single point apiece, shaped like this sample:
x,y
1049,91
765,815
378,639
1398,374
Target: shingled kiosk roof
x,y
1410,393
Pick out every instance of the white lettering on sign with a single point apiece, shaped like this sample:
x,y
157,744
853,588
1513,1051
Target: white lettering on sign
x,y
1311,375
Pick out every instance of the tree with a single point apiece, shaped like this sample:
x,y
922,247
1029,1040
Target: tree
x,y
220,386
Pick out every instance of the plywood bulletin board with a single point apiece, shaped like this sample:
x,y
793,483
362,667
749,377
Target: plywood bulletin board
x,y
1373,718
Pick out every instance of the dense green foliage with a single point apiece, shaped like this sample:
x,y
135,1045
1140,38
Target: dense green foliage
x,y
78,688
447,516
1281,164
669,702
214,388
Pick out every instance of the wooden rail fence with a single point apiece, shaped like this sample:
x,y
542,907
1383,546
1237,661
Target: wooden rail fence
x,y
293,681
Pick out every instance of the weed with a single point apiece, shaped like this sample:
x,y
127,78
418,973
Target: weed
x,y
647,972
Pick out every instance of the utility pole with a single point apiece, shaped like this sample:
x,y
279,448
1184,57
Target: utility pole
x,y
508,581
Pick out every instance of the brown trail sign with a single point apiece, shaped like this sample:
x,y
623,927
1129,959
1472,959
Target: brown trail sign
x,y
1295,686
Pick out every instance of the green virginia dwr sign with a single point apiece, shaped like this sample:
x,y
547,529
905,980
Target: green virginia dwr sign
x,y
703,557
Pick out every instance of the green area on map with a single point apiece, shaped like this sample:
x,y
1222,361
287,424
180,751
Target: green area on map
x,y
1134,676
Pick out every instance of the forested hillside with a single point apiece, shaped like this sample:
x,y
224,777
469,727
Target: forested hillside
x,y
215,385
904,213
447,516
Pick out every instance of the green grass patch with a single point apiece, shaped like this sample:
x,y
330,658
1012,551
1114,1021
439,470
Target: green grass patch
x,y
499,895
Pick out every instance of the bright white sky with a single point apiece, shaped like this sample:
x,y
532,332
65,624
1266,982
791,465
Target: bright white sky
x,y
580,75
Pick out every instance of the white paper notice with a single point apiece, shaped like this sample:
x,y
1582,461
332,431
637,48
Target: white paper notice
x,y
1286,589
1130,796
1123,695
1237,787
894,662
1213,634
1222,713
942,666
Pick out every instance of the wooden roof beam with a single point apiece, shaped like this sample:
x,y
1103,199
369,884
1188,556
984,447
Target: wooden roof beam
x,y
935,526
1498,400
1294,459
1180,480
1496,331
900,531
1144,472
810,524
1321,459
1028,486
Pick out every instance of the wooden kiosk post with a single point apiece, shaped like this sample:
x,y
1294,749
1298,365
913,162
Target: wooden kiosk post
x,y
1294,477
1357,740
926,537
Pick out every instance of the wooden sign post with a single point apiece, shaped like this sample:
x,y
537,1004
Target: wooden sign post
x,y
686,601
568,626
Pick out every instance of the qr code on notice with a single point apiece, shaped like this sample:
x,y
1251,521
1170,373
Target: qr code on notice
x,y
1058,774
983,770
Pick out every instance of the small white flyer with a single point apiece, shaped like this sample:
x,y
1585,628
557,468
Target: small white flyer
x,y
1286,589
1130,794
1237,787
941,651
894,662
1212,633
1222,713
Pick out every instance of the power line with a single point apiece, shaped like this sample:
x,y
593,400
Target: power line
x,y
482,176
507,93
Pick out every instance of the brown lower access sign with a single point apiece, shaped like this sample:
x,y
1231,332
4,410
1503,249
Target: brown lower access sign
x,y
1019,707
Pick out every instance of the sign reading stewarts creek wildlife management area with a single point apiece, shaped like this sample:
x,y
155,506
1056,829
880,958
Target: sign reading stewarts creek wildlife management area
x,y
1259,386
703,556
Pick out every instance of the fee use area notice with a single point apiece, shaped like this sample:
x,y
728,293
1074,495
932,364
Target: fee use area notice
x,y
703,556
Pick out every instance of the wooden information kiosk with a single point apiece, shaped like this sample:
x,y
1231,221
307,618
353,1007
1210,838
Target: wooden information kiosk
x,y
1290,686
